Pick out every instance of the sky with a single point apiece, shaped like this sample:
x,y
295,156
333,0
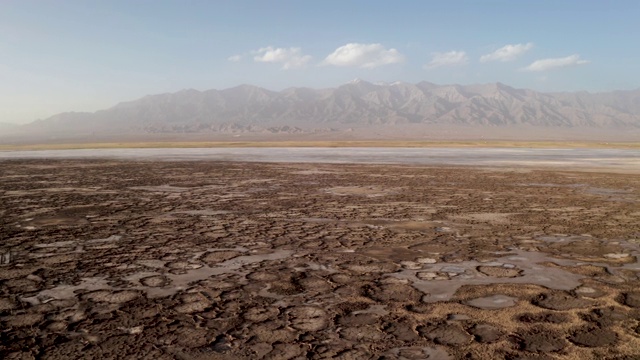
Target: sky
x,y
58,56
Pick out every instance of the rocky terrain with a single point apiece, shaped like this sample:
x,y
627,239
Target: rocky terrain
x,y
226,260
396,109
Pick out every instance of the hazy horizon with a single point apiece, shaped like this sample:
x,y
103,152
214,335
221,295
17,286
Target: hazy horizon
x,y
79,56
107,106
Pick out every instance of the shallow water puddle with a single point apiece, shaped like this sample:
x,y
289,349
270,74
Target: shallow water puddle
x,y
465,273
626,257
107,239
493,302
177,281
68,291
78,246
56,244
181,281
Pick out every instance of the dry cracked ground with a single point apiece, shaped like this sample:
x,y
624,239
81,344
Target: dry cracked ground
x,y
221,260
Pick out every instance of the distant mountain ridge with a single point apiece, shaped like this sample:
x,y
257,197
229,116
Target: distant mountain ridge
x,y
251,109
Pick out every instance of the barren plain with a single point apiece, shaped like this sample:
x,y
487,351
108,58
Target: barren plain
x,y
139,259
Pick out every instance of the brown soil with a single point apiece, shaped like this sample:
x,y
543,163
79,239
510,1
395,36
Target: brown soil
x,y
222,260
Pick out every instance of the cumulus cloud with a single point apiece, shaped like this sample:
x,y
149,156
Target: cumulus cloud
x,y
449,58
235,58
366,56
290,58
507,53
556,63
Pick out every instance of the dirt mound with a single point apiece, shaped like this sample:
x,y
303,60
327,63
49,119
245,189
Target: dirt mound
x,y
561,301
593,337
225,260
541,340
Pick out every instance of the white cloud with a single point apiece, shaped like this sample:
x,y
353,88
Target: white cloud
x,y
507,53
235,58
290,58
449,58
366,56
555,63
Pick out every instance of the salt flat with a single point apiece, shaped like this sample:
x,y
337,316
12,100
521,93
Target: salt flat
x,y
618,160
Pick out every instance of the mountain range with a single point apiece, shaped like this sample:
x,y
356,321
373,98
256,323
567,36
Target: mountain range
x,y
353,107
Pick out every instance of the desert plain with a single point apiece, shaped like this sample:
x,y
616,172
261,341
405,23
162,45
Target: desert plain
x,y
104,258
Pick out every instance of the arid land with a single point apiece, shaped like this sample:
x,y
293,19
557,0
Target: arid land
x,y
235,260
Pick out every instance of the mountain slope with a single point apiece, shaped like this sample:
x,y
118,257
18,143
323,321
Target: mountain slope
x,y
359,103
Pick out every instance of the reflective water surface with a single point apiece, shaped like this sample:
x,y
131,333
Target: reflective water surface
x,y
613,159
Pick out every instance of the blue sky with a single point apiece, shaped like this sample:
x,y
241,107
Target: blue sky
x,y
87,55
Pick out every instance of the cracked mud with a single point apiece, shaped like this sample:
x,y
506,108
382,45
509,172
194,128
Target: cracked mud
x,y
229,260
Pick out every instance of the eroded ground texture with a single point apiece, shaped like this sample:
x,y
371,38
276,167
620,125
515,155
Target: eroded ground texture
x,y
206,260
